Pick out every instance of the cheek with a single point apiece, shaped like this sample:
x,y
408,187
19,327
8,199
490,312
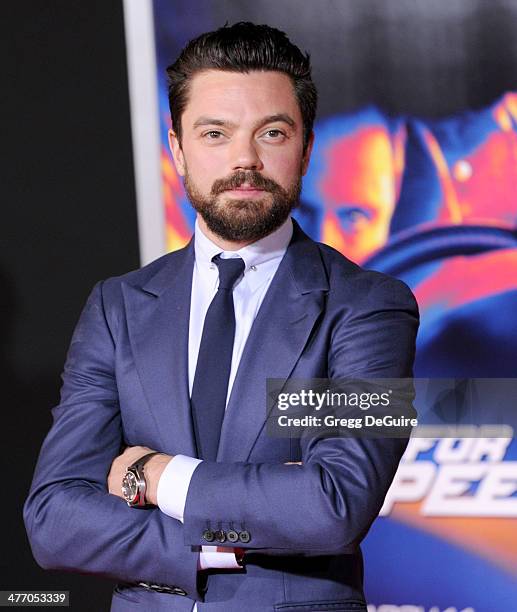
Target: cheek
x,y
284,170
204,168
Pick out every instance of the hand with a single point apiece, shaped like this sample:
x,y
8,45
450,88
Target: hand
x,y
153,470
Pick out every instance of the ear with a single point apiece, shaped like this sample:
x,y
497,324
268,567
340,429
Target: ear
x,y
307,155
177,153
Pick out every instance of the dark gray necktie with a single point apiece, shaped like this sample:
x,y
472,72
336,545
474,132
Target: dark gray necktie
x,y
210,387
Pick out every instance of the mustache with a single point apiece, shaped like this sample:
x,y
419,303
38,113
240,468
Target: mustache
x,y
251,178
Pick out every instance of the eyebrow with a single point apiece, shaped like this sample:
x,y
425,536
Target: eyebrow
x,y
284,117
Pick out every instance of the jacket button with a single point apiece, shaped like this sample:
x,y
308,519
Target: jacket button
x,y
220,535
232,536
208,535
244,536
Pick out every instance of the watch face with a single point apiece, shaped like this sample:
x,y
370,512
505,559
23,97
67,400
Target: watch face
x,y
129,487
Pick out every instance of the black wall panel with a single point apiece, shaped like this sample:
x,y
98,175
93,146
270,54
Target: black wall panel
x,y
68,220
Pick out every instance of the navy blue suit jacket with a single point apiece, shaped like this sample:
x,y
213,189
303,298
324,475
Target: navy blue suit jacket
x,y
125,383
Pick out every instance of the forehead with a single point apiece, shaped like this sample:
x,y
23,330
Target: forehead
x,y
240,96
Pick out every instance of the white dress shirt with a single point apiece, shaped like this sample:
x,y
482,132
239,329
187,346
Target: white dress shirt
x,y
261,260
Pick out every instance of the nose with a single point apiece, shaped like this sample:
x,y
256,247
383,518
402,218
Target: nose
x,y
244,155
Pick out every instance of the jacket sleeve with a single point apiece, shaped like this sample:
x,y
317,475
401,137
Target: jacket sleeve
x,y
73,523
326,505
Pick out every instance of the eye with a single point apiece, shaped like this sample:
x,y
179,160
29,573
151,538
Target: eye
x,y
274,134
353,216
212,135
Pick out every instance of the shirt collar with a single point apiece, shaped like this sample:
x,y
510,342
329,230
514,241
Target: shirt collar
x,y
261,258
270,247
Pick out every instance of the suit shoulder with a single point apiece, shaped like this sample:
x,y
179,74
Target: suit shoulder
x,y
347,278
139,277
111,288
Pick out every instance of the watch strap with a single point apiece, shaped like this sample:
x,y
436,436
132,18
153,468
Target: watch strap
x,y
139,463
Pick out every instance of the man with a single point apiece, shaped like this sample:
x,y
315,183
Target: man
x,y
354,180
174,358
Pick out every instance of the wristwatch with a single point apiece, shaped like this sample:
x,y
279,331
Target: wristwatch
x,y
133,483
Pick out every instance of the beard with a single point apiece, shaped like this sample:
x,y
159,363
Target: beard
x,y
246,220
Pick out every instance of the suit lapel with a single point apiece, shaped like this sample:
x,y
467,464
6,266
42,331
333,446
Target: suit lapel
x,y
277,338
158,324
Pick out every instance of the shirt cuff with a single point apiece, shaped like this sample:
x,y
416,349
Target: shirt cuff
x,y
208,558
173,485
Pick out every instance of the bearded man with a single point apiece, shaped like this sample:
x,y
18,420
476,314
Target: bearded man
x,y
158,469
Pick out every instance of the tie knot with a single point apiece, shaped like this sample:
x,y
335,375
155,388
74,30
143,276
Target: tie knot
x,y
229,271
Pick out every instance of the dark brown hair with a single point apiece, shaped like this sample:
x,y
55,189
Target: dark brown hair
x,y
243,47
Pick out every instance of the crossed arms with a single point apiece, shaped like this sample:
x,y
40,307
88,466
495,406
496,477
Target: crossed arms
x,y
75,524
